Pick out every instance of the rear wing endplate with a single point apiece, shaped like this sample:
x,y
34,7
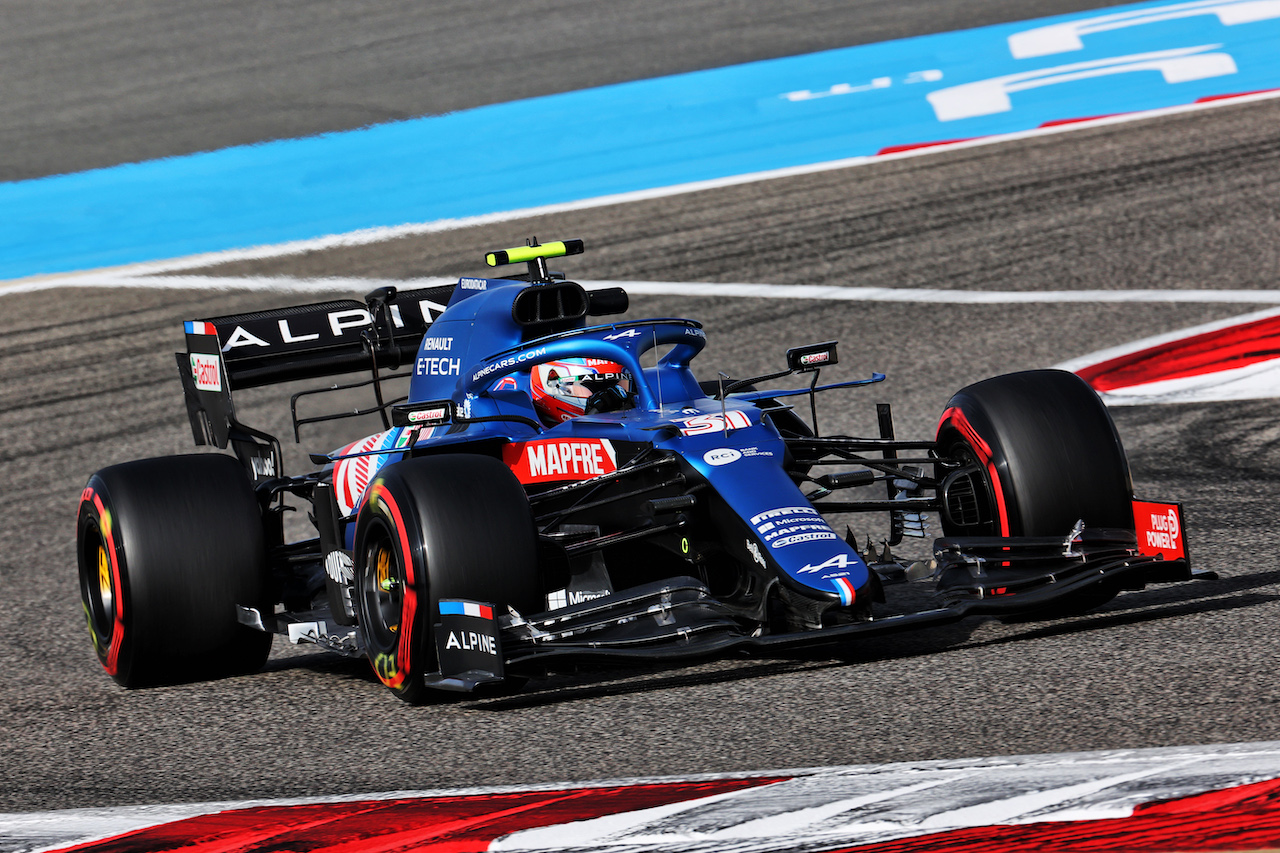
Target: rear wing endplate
x,y
299,342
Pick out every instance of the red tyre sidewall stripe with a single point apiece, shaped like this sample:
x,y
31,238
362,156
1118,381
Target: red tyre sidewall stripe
x,y
409,608
955,418
112,663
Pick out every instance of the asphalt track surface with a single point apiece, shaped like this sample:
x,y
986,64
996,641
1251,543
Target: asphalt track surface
x,y
1179,202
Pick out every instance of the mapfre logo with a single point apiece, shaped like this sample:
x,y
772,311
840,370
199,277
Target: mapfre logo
x,y
206,371
551,460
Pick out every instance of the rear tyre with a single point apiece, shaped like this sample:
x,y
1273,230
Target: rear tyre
x,y
166,549
453,526
1039,452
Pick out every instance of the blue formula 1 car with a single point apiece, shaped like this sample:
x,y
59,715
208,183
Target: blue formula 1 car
x,y
553,489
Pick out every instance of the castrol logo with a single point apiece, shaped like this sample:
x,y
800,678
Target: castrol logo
x,y
205,370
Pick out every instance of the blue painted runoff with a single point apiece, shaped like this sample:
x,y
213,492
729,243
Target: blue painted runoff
x,y
647,134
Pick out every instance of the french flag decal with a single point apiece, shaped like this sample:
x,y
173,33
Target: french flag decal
x,y
199,327
465,608
847,595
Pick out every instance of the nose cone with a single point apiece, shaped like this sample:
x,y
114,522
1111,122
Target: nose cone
x,y
843,573
845,589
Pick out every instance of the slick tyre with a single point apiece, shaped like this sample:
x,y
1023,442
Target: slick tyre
x,y
1047,454
1039,451
166,549
450,526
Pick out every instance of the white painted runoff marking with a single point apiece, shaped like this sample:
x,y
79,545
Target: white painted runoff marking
x,y
1252,382
1066,37
46,830
813,809
789,823
1259,381
629,825
369,236
1169,337
718,290
823,809
991,96
1028,807
929,75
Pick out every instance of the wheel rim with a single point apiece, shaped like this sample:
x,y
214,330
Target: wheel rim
x,y
105,593
383,590
971,489
99,585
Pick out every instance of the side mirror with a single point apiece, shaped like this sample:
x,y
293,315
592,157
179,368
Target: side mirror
x,y
436,413
812,357
608,300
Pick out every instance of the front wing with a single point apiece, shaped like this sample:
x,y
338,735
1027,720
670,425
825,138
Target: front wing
x,y
678,619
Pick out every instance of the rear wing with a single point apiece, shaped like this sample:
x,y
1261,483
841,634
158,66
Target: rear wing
x,y
325,338
300,342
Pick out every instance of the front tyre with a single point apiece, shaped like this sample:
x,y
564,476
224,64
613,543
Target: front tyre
x,y
1037,451
166,550
1041,452
450,526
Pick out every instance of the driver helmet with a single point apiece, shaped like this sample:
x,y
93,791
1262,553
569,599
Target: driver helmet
x,y
565,389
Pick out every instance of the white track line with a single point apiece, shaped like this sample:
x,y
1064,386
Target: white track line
x,y
267,284
381,234
935,296
717,290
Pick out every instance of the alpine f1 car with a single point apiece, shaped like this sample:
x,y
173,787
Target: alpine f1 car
x,y
555,489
